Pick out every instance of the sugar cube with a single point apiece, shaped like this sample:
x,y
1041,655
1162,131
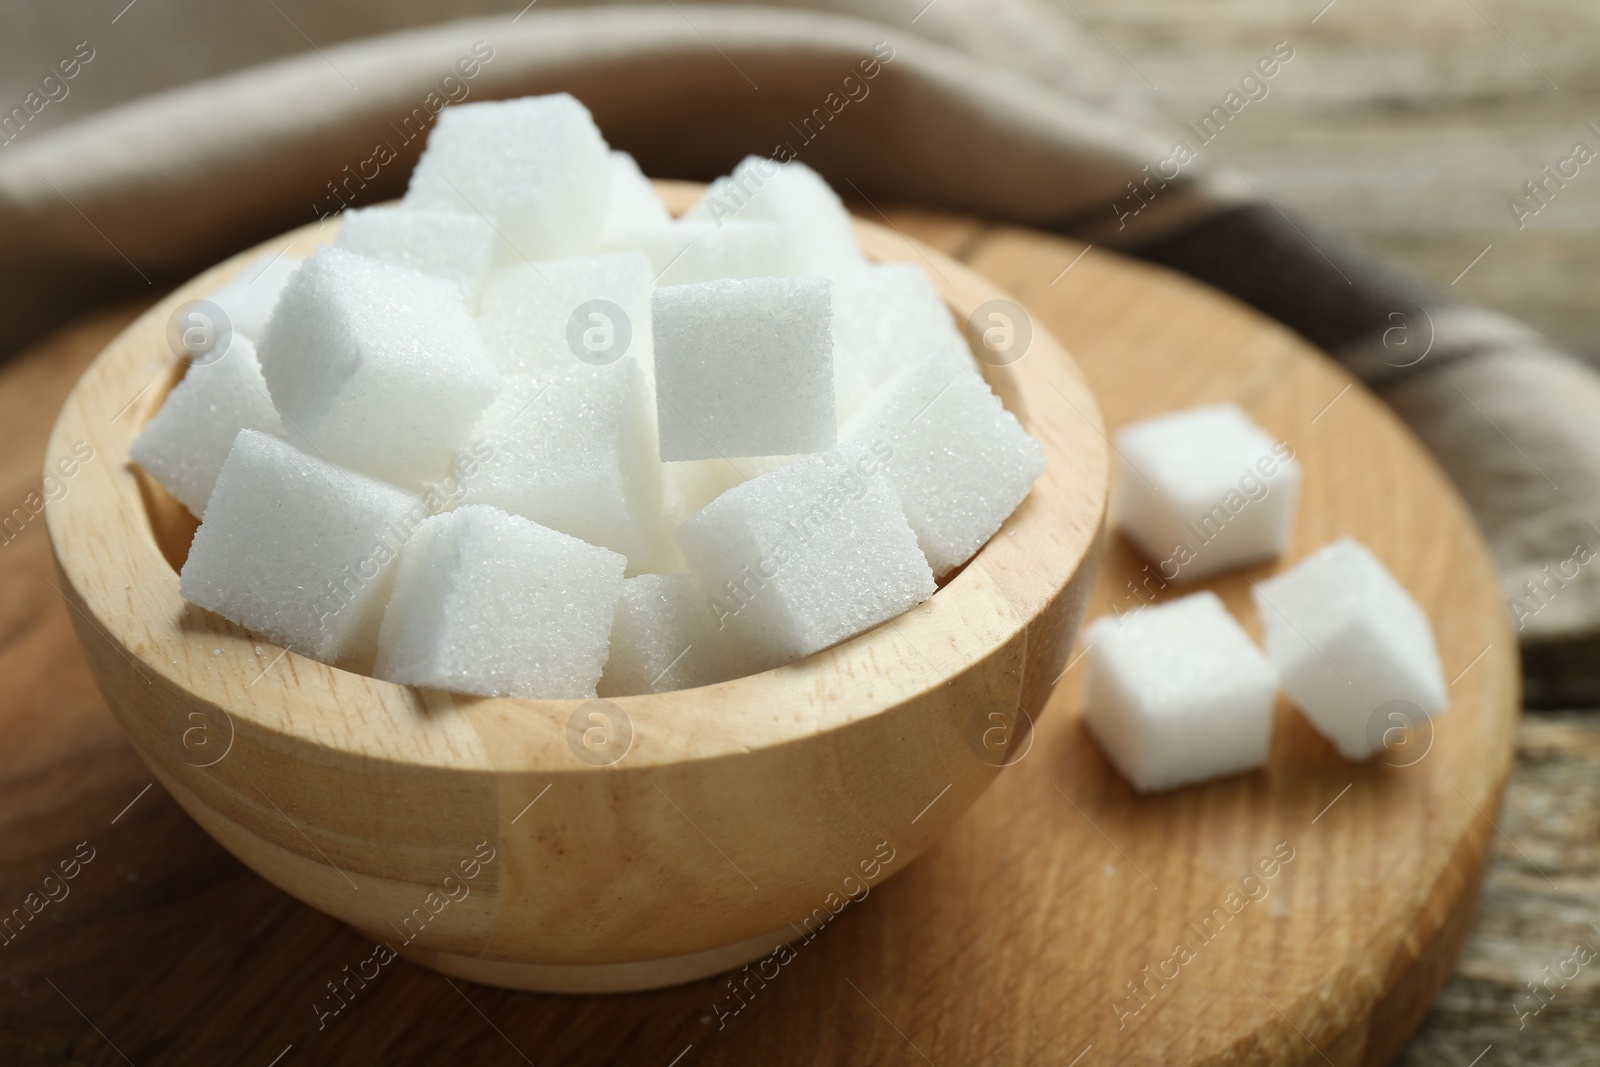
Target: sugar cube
x,y
744,368
636,210
496,605
1176,693
538,316
451,244
1347,640
696,250
958,459
887,317
1203,490
804,557
378,365
299,550
185,445
688,486
536,167
795,196
664,637
572,449
248,299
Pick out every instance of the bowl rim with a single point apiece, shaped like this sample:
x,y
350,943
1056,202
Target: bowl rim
x,y
1023,568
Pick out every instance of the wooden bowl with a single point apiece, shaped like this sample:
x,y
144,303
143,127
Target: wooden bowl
x,y
564,845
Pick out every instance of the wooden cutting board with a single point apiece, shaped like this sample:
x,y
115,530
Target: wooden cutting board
x,y
1065,920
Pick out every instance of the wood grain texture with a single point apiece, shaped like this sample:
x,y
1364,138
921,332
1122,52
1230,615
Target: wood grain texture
x,y
1407,126
1011,940
1538,909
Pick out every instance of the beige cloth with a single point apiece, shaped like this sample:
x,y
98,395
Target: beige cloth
x,y
152,190
1002,109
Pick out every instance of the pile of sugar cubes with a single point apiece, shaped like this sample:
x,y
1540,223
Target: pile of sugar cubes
x,y
1175,691
527,435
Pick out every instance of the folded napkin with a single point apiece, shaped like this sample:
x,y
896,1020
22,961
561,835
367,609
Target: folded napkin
x,y
998,109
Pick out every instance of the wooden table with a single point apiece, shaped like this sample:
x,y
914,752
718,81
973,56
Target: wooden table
x,y
1407,126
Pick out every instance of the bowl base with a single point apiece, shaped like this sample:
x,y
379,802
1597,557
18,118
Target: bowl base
x,y
631,977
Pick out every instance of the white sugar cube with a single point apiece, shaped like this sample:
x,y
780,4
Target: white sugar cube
x,y
378,365
797,197
697,250
804,557
958,459
299,550
185,445
248,299
495,605
689,486
744,368
450,244
1177,693
636,210
536,167
1347,640
1203,490
572,449
539,316
664,637
888,317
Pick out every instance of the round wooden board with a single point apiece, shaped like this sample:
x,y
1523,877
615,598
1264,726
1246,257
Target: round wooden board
x,y
1017,940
